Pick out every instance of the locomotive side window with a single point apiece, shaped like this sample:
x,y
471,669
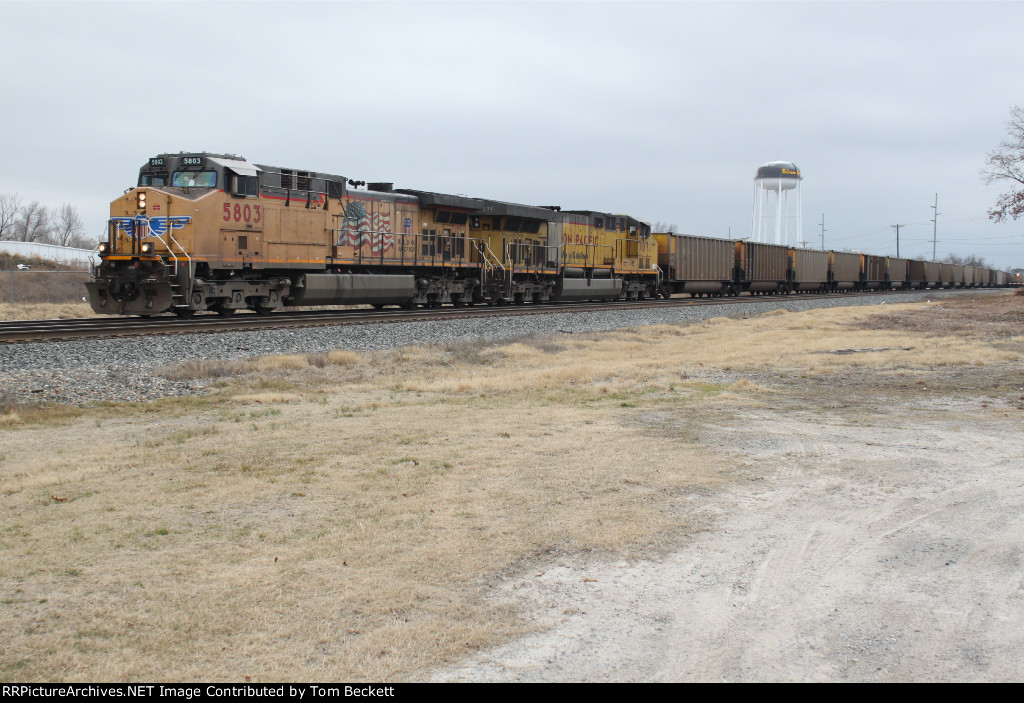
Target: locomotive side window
x,y
245,185
194,179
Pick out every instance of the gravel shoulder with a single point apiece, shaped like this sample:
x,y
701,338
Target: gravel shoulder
x,y
844,553
84,371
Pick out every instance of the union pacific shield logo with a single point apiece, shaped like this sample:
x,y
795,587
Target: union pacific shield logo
x,y
141,226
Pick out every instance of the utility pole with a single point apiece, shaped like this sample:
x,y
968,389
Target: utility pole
x,y
823,230
897,228
935,224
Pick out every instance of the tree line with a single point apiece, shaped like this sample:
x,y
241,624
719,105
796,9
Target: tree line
x,y
34,222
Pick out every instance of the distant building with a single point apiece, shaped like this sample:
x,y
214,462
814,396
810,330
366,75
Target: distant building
x,y
67,256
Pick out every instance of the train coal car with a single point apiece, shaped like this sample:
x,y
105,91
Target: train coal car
x,y
922,274
696,265
873,272
761,268
808,270
958,276
843,270
945,275
896,273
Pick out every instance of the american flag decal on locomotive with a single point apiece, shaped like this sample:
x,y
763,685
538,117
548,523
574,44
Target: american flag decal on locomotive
x,y
361,228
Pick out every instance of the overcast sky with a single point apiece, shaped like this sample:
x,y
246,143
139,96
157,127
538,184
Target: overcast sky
x,y
662,110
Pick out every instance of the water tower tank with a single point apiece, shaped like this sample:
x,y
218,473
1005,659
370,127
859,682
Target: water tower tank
x,y
776,175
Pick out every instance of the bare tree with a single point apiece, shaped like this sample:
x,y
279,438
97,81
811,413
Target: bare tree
x,y
67,226
969,260
10,203
32,223
1007,164
660,227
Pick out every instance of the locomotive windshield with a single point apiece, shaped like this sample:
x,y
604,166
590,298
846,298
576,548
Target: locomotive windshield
x,y
194,179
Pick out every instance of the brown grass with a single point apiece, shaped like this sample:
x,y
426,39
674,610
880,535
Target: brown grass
x,y
45,311
342,516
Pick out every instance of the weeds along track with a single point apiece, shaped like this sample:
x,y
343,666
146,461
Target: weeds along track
x,y
47,330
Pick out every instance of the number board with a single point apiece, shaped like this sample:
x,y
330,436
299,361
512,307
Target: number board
x,y
156,162
191,160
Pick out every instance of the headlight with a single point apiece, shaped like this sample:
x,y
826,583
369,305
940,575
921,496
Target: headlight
x,y
142,201
147,248
102,248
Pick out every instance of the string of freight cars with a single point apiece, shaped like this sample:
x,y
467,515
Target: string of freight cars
x,y
203,231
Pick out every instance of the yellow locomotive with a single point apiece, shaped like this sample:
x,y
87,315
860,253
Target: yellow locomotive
x,y
204,231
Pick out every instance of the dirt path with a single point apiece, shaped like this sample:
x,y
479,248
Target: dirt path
x,y
862,545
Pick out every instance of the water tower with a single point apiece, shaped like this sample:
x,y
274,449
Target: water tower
x,y
772,184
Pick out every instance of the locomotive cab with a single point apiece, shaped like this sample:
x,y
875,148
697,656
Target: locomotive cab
x,y
148,259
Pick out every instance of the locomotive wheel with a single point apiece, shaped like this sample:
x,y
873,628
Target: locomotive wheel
x,y
184,313
263,310
223,311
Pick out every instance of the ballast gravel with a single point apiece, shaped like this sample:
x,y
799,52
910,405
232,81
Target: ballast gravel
x,y
85,371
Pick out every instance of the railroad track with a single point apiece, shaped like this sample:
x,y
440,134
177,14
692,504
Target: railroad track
x,y
47,330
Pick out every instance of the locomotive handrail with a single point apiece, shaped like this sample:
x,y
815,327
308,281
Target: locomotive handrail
x,y
540,265
444,249
170,250
589,254
309,192
495,263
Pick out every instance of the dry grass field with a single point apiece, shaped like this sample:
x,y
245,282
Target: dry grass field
x,y
343,516
45,311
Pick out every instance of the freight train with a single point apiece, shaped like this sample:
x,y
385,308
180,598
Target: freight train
x,y
204,231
